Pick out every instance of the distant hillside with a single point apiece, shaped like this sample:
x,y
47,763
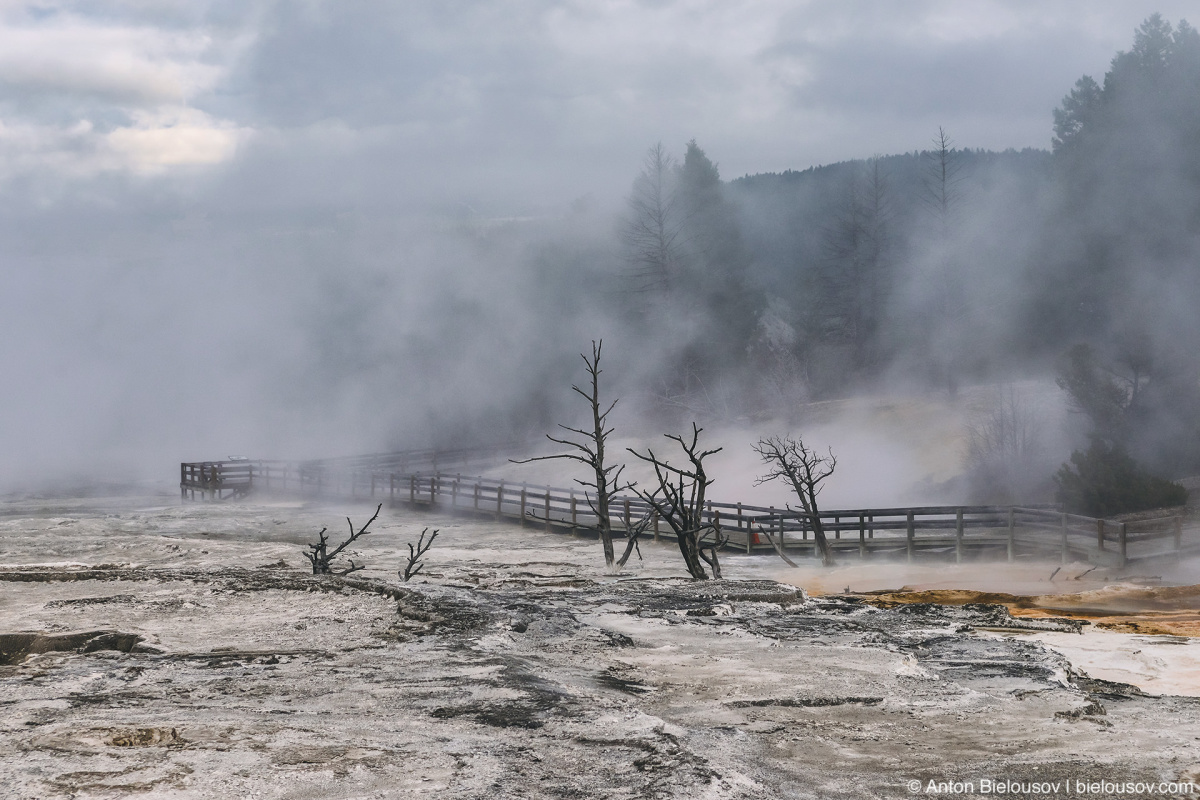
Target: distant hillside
x,y
786,215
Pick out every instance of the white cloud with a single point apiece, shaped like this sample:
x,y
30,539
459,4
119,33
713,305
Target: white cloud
x,y
81,95
125,64
173,138
560,96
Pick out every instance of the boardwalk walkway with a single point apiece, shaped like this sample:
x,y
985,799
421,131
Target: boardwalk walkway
x,y
423,478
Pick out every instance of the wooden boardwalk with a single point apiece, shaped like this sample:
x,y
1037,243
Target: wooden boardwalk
x,y
957,533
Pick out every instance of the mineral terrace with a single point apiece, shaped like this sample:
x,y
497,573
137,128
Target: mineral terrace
x,y
166,651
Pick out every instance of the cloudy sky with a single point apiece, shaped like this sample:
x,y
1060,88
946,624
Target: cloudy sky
x,y
179,179
520,101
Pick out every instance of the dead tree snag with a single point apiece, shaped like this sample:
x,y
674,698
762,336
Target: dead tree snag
x,y
679,500
322,560
414,555
804,470
634,531
606,480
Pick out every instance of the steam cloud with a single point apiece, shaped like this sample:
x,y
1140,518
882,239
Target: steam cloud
x,y
296,230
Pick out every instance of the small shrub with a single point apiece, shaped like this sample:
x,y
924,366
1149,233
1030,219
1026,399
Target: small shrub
x,y
1104,480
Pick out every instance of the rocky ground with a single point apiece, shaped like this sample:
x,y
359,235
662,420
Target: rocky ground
x,y
158,650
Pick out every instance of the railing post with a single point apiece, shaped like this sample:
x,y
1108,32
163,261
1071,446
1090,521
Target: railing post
x,y
522,504
1012,534
574,512
739,516
862,536
391,488
911,532
871,526
182,482
958,536
476,500
500,500
837,527
1100,534
433,487
1121,533
412,490
1065,552
547,508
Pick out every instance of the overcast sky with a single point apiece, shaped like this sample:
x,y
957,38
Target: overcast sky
x,y
200,246
509,103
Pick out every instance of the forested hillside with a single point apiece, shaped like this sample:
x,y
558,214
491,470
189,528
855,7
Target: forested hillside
x,y
895,266
945,266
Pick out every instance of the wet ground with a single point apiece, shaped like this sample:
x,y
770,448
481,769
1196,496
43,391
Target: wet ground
x,y
157,650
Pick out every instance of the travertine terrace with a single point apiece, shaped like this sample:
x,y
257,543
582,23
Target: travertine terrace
x,y
185,653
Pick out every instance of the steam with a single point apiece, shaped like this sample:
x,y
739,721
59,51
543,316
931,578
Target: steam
x,y
300,231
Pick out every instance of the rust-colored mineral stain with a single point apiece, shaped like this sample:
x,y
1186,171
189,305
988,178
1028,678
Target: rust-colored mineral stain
x,y
1170,610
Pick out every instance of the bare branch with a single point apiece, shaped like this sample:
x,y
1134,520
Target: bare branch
x,y
777,545
322,560
414,555
631,543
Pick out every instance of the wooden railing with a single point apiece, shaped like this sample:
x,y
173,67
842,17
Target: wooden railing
x,y
221,480
1007,531
416,478
1088,536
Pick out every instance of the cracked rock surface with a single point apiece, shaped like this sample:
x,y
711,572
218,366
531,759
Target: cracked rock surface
x,y
165,651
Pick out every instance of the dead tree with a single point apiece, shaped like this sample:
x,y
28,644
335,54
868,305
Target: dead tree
x,y
943,195
414,555
778,545
653,226
322,560
1005,449
633,532
804,469
606,480
679,500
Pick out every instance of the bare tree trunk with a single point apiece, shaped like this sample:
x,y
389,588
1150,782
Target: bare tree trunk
x,y
631,544
691,557
606,478
827,559
711,557
603,520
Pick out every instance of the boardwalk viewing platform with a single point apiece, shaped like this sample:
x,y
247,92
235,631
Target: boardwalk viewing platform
x,y
435,479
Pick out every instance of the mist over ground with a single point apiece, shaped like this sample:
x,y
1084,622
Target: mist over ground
x,y
290,230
